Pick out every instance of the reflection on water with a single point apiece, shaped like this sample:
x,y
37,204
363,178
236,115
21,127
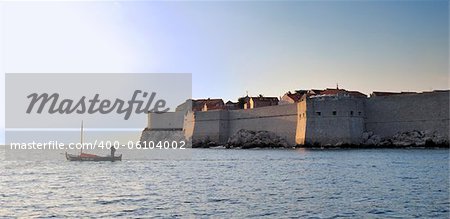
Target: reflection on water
x,y
234,183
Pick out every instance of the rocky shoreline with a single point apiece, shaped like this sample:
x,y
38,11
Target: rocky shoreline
x,y
246,139
406,139
410,139
362,146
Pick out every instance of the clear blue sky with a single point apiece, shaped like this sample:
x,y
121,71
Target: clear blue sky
x,y
266,47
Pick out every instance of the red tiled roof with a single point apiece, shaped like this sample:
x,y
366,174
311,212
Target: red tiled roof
x,y
197,105
295,96
330,91
259,98
215,104
316,91
230,102
261,101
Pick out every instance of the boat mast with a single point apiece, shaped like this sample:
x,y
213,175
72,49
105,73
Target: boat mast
x,y
81,137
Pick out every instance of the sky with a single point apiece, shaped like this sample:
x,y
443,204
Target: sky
x,y
235,47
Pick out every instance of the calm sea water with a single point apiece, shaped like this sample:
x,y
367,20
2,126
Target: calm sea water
x,y
235,184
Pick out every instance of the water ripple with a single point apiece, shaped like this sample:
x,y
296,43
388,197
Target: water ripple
x,y
235,184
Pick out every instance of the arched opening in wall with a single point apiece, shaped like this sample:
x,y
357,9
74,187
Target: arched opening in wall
x,y
351,113
334,113
359,113
318,113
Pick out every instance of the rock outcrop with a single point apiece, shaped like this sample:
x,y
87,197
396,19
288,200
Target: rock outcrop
x,y
204,143
160,135
368,138
256,139
406,139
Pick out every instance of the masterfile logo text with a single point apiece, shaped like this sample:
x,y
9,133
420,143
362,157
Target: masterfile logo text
x,y
96,105
104,100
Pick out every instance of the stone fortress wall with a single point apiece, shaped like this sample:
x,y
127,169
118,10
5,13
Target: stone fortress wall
x,y
330,120
323,120
280,119
207,125
165,121
219,125
427,111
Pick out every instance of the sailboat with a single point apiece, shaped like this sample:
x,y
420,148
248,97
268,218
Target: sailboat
x,y
90,157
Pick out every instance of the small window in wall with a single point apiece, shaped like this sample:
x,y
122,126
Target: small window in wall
x,y
351,113
359,113
334,113
318,113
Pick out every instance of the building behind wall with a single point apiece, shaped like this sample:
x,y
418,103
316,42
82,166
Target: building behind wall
x,y
258,101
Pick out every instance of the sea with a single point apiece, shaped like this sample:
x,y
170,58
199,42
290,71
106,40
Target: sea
x,y
233,183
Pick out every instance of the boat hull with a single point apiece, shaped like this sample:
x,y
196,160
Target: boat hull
x,y
71,157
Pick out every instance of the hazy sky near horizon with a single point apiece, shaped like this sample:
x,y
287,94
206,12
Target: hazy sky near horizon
x,y
231,47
